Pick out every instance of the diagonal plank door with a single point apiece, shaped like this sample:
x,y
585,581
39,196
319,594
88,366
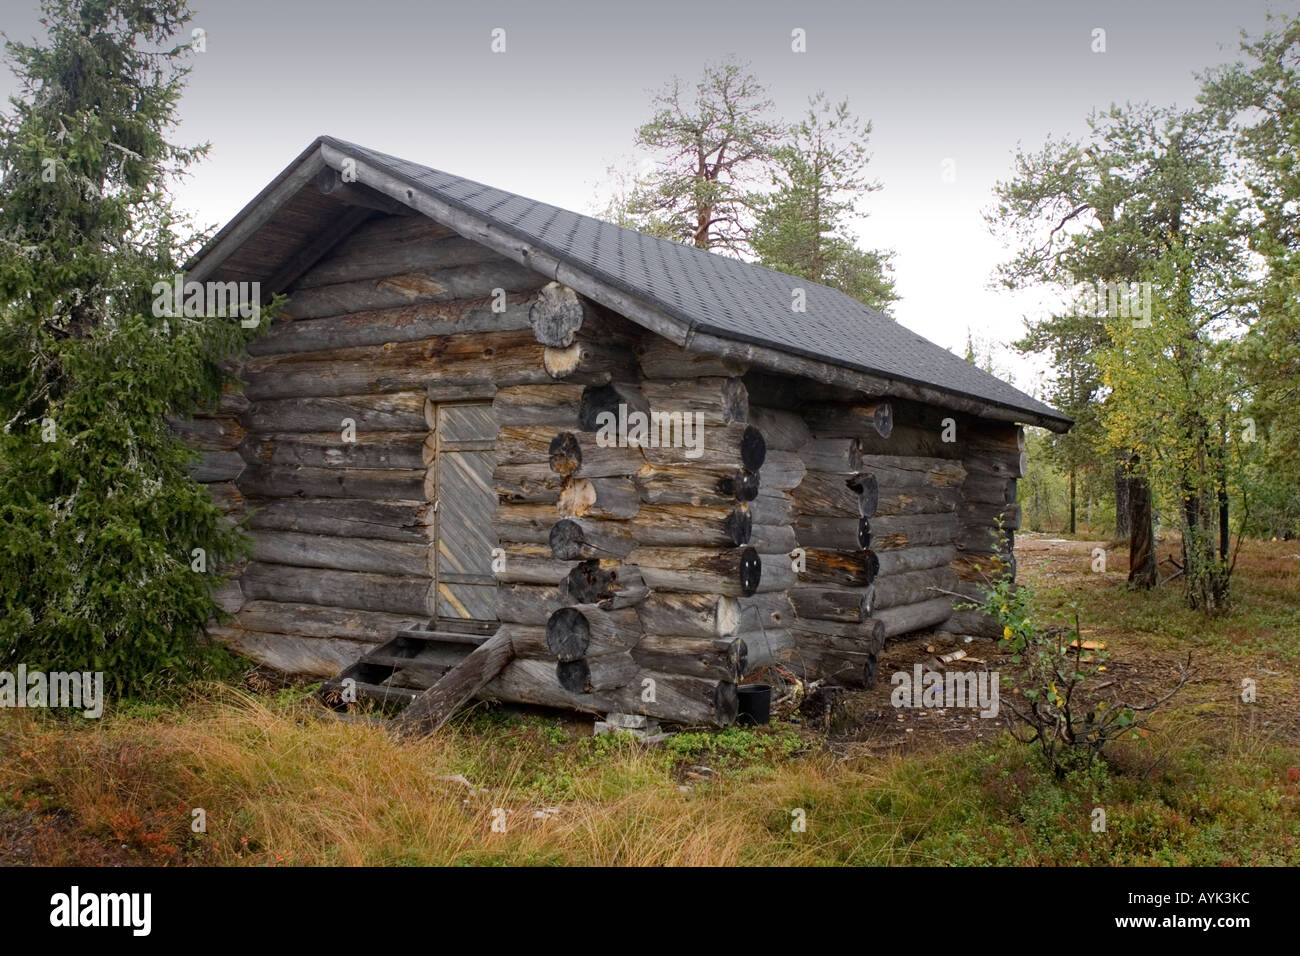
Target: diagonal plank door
x,y
467,500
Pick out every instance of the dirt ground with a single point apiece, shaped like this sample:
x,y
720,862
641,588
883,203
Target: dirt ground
x,y
1136,672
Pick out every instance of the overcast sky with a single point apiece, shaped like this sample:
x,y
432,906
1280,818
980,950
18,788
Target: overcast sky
x,y
965,82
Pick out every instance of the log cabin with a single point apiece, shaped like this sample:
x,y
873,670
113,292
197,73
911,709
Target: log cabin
x,y
494,448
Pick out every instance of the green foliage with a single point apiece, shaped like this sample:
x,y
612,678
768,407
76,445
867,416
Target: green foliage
x,y
802,226
98,518
711,148
1064,714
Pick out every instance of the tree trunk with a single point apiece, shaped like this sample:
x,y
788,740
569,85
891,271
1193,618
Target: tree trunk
x,y
1141,542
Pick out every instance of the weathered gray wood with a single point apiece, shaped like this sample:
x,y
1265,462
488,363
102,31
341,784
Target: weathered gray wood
x,y
772,507
581,538
831,604
850,421
889,532
693,615
553,404
681,699
435,706
531,564
733,572
285,481
289,653
910,587
399,450
660,358
694,484
607,584
709,657
599,498
340,554
783,430
313,620
587,362
715,400
331,183
470,281
587,630
989,515
843,534
772,539
396,411
527,603
407,323
471,362
527,483
692,526
829,567
211,433
909,618
361,258
914,559
972,622
557,315
398,594
597,674
214,466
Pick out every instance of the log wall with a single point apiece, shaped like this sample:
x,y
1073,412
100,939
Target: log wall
x,y
759,520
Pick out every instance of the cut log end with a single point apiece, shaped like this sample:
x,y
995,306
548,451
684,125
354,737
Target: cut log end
x,y
568,635
751,572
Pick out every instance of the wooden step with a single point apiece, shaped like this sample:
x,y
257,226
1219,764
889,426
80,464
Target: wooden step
x,y
443,637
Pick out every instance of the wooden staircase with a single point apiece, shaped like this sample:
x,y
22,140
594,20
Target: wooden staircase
x,y
445,666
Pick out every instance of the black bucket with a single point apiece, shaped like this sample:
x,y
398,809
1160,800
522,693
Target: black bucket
x,y
755,704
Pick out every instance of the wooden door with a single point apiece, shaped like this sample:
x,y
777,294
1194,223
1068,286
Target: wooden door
x,y
466,502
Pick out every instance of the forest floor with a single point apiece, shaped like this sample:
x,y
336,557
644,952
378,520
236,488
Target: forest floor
x,y
849,779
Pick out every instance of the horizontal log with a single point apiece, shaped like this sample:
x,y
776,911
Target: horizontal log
x,y
683,700
842,534
345,518
765,648
782,471
290,654
380,259
398,594
890,532
398,411
582,538
613,498
587,362
733,572
765,611
314,620
864,636
712,401
385,449
783,431
528,523
709,657
695,484
468,281
844,495
990,489
527,603
553,404
678,441
836,667
531,564
488,359
597,674
341,554
572,453
285,481
771,507
825,566
850,605
214,433
1009,467
661,359
690,526
909,587
693,615
587,630
527,483
772,539
971,622
902,560
215,466
909,618
989,515
405,323
828,420
985,539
